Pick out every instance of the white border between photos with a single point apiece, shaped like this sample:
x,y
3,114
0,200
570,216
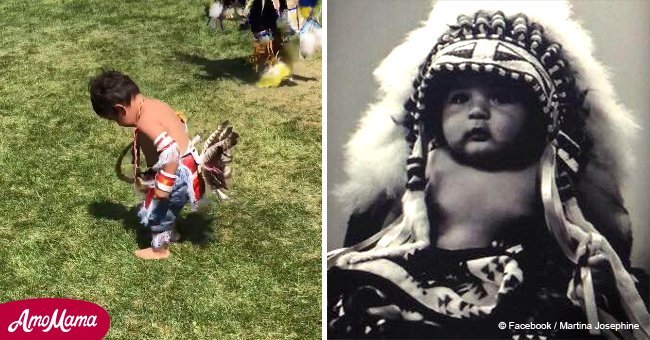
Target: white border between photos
x,y
324,170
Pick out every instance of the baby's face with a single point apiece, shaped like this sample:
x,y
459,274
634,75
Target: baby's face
x,y
485,119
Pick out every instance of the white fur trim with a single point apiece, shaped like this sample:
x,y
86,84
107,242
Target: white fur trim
x,y
216,9
169,155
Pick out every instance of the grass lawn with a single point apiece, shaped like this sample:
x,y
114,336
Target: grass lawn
x,y
250,268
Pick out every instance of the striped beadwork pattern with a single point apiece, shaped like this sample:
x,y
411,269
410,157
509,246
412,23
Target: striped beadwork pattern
x,y
163,142
165,181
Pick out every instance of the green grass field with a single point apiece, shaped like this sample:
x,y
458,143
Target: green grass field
x,y
250,268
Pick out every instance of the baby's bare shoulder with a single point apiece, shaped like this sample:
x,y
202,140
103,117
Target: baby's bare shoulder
x,y
159,108
155,116
156,111
162,115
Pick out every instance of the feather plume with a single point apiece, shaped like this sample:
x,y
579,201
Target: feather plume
x,y
216,9
217,158
274,75
310,42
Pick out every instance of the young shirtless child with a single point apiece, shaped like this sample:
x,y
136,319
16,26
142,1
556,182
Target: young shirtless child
x,y
172,180
499,156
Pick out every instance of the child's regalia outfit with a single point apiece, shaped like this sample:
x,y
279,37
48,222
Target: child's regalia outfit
x,y
188,184
533,277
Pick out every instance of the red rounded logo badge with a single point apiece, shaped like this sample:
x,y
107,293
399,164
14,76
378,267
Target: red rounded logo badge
x,y
53,318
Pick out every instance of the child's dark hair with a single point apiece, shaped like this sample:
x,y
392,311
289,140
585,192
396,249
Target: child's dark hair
x,y
109,88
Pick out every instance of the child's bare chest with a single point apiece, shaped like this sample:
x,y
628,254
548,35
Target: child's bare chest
x,y
470,203
471,194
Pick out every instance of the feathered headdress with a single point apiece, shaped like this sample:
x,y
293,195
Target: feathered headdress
x,y
587,136
371,162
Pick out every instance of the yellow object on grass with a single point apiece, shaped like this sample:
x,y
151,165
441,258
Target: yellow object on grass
x,y
181,115
274,76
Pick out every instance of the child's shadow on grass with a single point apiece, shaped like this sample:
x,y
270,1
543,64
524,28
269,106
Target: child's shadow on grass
x,y
195,227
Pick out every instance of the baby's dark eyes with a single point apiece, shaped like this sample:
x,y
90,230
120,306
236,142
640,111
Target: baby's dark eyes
x,y
495,96
503,97
458,98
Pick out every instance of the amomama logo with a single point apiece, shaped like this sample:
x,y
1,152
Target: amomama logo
x,y
53,318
